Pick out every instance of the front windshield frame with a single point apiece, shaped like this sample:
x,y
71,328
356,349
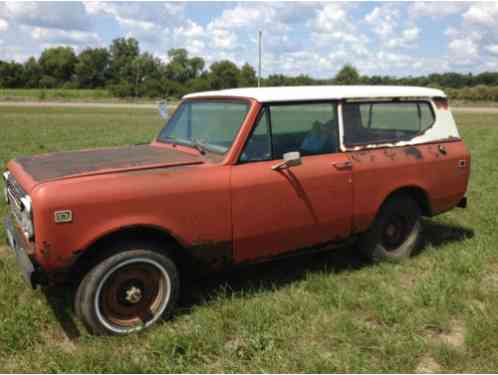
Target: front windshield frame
x,y
195,143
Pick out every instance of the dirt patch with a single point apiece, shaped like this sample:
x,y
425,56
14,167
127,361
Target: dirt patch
x,y
373,323
4,251
453,337
456,336
490,281
58,338
409,281
428,365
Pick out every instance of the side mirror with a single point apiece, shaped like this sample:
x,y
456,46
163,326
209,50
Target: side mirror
x,y
163,110
290,159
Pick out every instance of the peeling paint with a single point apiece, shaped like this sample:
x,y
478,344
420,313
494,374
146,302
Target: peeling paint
x,y
415,152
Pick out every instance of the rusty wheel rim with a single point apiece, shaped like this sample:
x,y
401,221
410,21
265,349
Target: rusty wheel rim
x,y
395,232
132,295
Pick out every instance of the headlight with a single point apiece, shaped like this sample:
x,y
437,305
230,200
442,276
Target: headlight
x,y
27,217
27,227
20,205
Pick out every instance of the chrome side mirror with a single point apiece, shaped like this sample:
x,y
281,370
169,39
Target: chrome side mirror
x,y
163,110
290,159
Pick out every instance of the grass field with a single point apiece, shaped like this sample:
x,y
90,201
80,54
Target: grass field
x,y
54,94
325,313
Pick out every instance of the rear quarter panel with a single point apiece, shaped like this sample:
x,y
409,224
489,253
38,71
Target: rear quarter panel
x,y
379,172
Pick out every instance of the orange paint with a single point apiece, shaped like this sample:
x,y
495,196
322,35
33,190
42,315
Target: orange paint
x,y
259,212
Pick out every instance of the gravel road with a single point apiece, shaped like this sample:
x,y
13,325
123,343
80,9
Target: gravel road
x,y
154,106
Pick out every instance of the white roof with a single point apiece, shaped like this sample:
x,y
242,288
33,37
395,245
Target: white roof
x,y
294,93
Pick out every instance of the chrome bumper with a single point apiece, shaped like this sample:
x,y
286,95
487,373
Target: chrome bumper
x,y
17,243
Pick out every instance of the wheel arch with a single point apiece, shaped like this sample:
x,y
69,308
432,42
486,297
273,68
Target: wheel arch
x,y
417,193
102,247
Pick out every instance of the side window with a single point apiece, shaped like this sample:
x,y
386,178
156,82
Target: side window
x,y
384,122
258,147
309,128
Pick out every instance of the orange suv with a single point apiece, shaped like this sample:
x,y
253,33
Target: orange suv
x,y
235,176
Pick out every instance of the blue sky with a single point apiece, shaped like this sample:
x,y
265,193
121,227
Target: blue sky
x,y
409,38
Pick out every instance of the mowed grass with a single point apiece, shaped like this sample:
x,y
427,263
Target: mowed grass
x,y
54,94
323,313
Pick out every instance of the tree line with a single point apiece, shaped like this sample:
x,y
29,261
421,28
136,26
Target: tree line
x,y
127,72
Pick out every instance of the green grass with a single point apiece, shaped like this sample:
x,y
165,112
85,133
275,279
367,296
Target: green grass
x,y
323,313
54,94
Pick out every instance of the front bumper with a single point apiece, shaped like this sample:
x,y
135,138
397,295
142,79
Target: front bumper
x,y
18,244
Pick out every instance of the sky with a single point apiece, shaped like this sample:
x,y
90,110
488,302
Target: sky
x,y
378,38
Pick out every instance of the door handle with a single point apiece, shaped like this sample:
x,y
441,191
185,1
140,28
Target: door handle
x,y
343,164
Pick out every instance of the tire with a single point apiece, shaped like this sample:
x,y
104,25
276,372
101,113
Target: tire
x,y
128,292
395,233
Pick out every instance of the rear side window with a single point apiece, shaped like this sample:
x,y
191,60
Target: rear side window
x,y
385,122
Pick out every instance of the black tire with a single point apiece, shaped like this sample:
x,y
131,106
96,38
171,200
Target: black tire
x,y
128,291
396,231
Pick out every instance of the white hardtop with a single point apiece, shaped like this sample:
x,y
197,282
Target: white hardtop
x,y
304,93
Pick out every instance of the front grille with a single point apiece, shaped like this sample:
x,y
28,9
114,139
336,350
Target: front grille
x,y
14,191
14,187
19,204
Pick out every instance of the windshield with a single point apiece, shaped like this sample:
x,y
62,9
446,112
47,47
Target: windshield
x,y
206,125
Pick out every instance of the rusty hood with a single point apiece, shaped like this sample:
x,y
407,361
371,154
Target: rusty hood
x,y
103,160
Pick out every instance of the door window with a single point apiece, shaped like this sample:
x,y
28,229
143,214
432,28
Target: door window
x,y
310,128
258,147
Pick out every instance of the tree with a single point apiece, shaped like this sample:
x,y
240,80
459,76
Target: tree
x,y
277,80
196,65
58,63
148,75
92,69
181,68
32,73
247,76
303,80
223,74
123,53
47,82
348,75
11,75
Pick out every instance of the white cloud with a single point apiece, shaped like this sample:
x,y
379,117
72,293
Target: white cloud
x,y
4,25
61,37
383,19
406,39
483,14
223,38
393,28
492,48
190,30
333,18
69,16
333,26
137,14
463,51
435,9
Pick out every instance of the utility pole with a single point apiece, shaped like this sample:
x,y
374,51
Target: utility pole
x,y
259,56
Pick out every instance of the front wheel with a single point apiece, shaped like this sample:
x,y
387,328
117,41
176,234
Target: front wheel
x,y
395,233
128,292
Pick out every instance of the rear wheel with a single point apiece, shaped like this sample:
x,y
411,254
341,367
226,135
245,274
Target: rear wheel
x,y
128,292
395,233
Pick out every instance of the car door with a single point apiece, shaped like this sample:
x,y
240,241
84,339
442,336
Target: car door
x,y
275,211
